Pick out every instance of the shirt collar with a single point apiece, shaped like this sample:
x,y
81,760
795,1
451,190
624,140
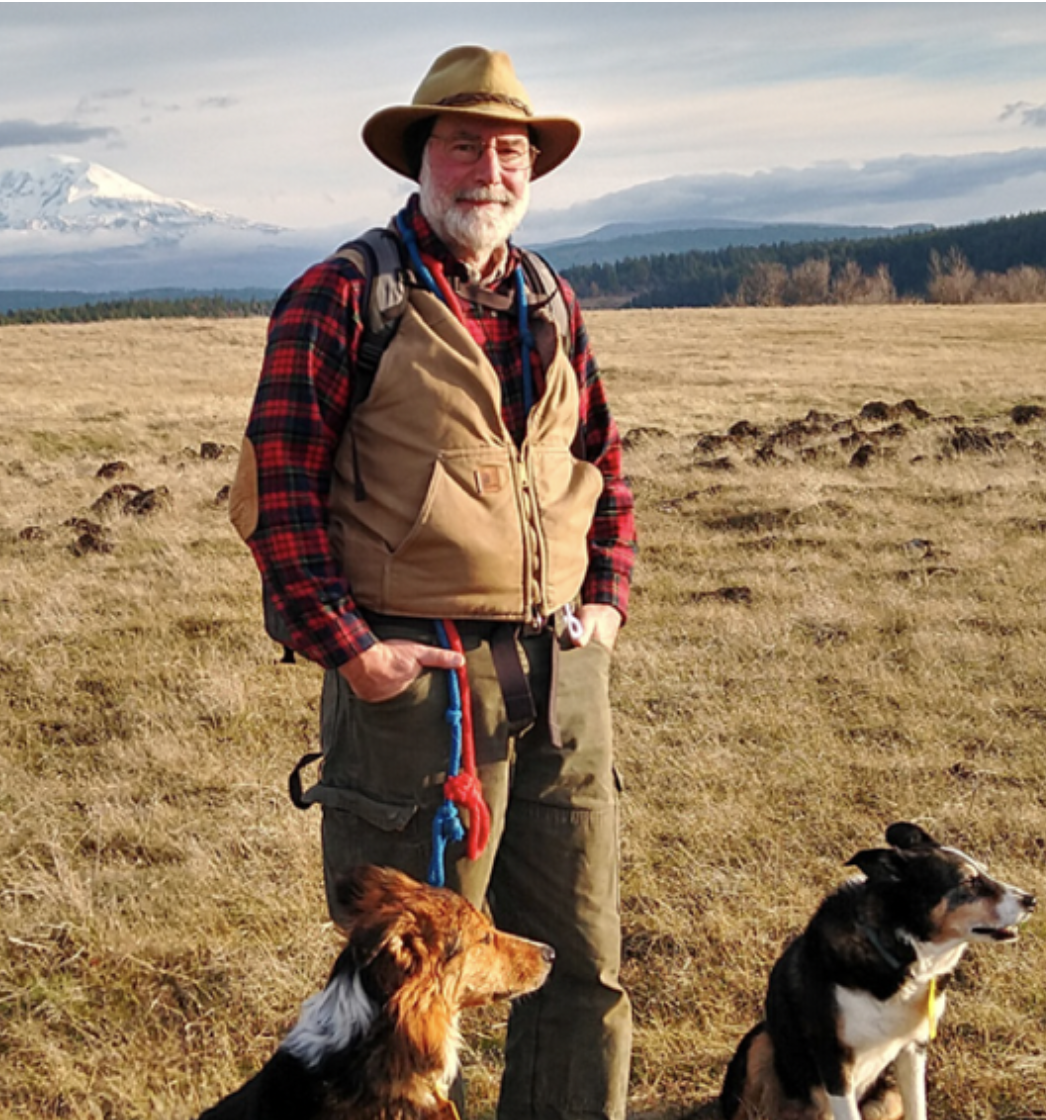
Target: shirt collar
x,y
432,246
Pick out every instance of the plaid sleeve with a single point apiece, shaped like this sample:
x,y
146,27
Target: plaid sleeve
x,y
299,412
612,537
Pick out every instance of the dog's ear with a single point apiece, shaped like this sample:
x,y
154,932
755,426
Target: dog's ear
x,y
880,865
397,955
349,892
380,912
364,888
906,836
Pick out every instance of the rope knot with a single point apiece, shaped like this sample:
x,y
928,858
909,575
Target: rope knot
x,y
462,786
455,718
464,789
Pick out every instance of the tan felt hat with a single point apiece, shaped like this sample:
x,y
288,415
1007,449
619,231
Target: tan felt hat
x,y
470,82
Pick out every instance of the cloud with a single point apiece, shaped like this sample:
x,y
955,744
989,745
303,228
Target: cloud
x,y
94,102
24,133
217,102
822,192
1032,115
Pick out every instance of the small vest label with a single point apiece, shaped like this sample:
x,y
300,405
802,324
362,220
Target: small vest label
x,y
489,480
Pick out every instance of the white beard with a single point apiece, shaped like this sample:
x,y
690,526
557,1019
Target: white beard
x,y
477,233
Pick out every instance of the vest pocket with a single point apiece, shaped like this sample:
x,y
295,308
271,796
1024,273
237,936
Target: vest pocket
x,y
465,549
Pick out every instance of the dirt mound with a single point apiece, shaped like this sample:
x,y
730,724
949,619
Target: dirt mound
x,y
878,432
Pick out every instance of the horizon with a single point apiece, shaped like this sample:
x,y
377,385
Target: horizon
x,y
1017,282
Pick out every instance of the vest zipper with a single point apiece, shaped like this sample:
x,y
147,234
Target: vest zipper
x,y
532,551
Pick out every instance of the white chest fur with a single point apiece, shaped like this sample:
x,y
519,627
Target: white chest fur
x,y
876,1031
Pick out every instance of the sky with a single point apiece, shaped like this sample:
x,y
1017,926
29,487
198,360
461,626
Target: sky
x,y
874,113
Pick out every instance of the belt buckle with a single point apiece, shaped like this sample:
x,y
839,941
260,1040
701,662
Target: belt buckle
x,y
536,624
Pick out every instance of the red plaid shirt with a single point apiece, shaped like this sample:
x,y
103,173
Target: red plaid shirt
x,y
300,412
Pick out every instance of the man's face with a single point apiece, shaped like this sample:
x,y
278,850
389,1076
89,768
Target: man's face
x,y
474,207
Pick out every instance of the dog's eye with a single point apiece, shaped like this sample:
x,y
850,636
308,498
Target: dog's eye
x,y
973,887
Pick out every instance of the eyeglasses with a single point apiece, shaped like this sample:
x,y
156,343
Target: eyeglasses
x,y
512,155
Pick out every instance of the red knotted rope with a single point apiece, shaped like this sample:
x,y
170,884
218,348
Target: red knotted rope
x,y
464,788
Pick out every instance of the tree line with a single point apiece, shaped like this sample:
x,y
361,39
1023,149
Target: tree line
x,y
185,307
1003,260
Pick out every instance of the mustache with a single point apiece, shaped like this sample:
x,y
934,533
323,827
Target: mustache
x,y
485,194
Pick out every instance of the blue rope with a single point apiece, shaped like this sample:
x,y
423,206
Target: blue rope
x,y
528,341
410,239
447,827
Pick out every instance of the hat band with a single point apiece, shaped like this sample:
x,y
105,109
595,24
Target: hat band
x,y
461,100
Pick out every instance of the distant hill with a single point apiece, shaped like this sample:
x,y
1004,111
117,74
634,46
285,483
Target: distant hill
x,y
708,278
619,242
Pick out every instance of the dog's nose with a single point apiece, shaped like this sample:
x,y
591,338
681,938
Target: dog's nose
x,y
548,954
1030,902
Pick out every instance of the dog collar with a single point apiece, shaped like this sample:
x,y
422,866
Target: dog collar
x,y
879,947
893,962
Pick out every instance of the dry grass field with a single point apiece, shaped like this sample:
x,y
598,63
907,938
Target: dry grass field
x,y
839,620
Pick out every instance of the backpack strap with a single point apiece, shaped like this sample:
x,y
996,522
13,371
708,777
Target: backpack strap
x,y
378,255
544,281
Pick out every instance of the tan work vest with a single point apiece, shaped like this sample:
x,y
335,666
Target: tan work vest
x,y
457,521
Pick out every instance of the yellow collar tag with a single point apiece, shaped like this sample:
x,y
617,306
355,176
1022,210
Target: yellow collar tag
x,y
448,1110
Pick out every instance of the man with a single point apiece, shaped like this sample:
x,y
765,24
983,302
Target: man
x,y
479,482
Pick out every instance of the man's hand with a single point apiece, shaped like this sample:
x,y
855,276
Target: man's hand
x,y
599,621
388,668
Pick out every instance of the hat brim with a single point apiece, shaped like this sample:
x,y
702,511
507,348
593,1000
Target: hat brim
x,y
555,137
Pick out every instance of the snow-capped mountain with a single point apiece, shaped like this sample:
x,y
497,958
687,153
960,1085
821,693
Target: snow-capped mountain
x,y
70,195
68,223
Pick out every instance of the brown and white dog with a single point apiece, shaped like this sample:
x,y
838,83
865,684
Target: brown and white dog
x,y
862,988
380,1042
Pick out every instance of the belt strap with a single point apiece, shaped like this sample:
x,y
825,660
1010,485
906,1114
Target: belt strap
x,y
515,688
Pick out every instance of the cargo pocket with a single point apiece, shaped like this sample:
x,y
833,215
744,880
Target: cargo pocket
x,y
394,751
361,830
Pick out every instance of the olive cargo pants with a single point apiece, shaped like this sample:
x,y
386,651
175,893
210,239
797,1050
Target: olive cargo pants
x,y
550,870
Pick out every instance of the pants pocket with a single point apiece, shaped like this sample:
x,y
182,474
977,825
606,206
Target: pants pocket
x,y
384,766
396,751
569,762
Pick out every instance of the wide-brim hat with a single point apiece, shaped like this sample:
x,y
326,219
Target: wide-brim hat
x,y
470,82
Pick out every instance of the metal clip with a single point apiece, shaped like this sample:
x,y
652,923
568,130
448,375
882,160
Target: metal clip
x,y
573,624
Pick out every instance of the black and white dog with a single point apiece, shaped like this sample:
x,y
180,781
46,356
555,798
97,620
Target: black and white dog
x,y
861,990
